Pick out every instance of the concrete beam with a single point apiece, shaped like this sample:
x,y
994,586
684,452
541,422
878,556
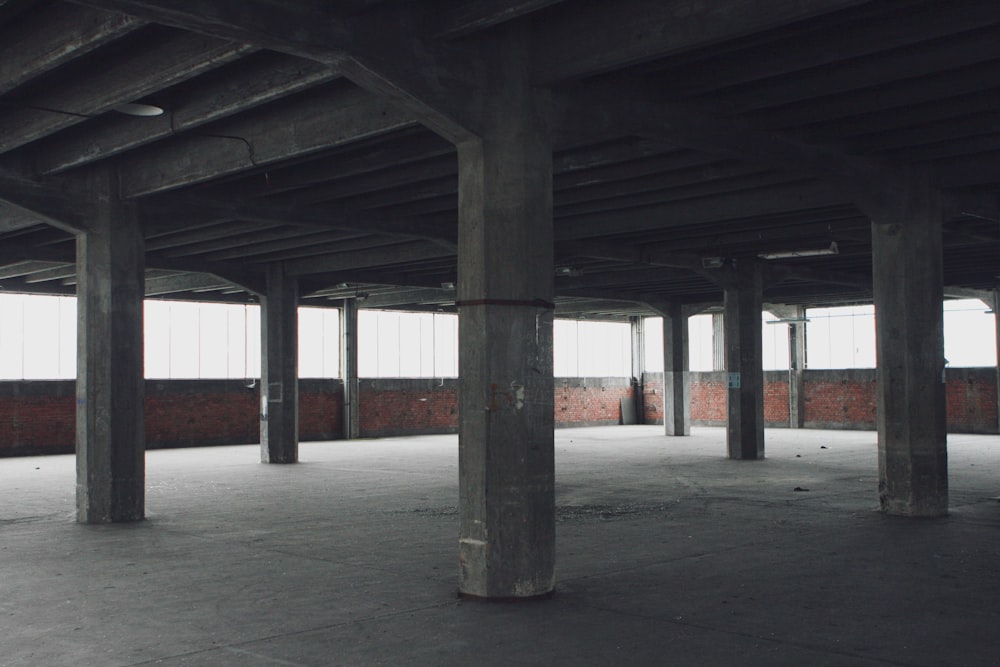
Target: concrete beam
x,y
268,77
754,203
52,36
381,51
45,203
607,36
165,61
337,115
475,15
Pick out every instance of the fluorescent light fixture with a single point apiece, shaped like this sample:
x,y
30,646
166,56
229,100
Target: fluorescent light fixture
x,y
138,109
448,285
831,249
788,320
712,262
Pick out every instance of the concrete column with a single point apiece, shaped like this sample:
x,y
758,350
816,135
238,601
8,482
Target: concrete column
x,y
718,342
349,368
676,375
279,382
796,366
505,294
636,324
110,436
907,267
744,363
996,325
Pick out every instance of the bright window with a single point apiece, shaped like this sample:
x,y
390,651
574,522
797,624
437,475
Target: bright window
x,y
591,349
401,344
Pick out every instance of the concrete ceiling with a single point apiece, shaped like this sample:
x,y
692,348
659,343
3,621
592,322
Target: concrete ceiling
x,y
322,135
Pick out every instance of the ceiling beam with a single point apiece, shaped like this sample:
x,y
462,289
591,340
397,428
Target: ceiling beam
x,y
165,61
474,15
882,27
236,92
703,210
184,282
368,259
869,183
409,297
602,37
379,50
47,204
335,116
54,35
161,215
245,277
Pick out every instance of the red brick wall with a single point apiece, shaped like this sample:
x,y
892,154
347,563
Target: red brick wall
x,y
321,410
39,417
971,394
652,398
708,398
210,412
590,401
391,407
840,398
776,398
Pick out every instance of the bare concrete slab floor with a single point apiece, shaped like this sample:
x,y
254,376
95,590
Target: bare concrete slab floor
x,y
667,554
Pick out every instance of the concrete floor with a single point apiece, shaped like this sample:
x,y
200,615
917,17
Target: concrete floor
x,y
668,554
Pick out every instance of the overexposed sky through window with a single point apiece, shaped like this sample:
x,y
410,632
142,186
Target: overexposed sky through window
x,y
212,340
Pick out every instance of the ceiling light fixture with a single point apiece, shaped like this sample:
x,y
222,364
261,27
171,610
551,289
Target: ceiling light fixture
x,y
139,109
831,249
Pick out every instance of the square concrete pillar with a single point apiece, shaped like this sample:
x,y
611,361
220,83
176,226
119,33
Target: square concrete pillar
x,y
744,362
796,370
676,376
505,300
279,368
349,368
908,289
637,327
110,436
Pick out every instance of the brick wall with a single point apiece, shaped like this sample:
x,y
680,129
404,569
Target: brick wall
x,y
708,398
590,401
840,398
39,416
843,399
390,406
652,398
972,400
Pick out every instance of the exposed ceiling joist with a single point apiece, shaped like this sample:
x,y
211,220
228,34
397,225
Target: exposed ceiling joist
x,y
605,36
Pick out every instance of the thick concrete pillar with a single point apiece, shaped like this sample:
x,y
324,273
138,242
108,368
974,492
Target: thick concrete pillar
x,y
636,323
505,294
110,437
907,267
349,368
744,362
676,376
279,382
